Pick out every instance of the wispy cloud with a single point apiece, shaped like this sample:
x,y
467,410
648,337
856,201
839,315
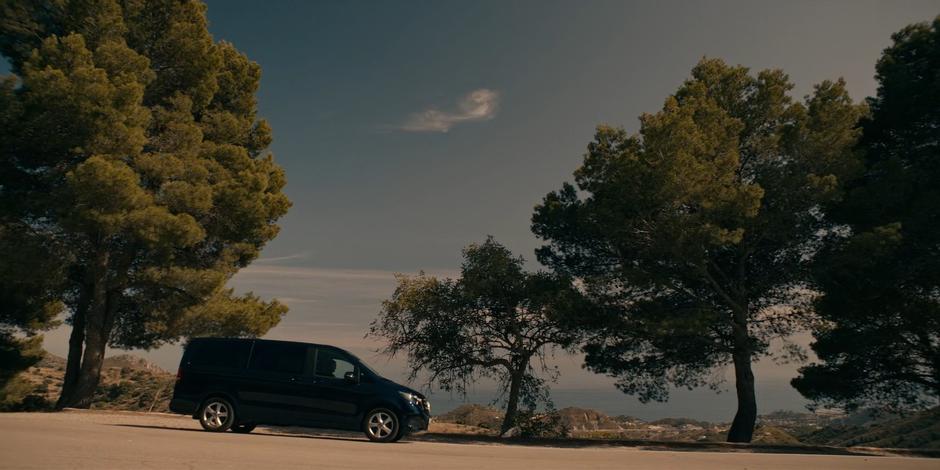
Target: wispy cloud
x,y
275,259
329,305
263,272
478,105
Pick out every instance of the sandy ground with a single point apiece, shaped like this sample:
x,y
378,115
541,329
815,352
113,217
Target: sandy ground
x,y
105,440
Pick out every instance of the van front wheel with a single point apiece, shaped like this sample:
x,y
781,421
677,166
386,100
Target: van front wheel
x,y
216,415
381,425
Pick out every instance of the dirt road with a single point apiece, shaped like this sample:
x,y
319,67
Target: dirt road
x,y
98,440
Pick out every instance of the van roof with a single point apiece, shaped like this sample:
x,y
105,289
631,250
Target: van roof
x,y
192,340
213,339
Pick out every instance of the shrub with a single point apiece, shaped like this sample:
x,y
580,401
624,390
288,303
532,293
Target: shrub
x,y
541,425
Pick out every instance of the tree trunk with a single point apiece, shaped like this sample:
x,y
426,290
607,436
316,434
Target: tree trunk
x,y
98,324
742,428
73,362
512,405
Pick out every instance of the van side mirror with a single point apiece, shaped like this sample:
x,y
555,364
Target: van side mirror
x,y
350,377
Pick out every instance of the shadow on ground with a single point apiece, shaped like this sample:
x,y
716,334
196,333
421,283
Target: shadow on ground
x,y
308,433
676,446
261,432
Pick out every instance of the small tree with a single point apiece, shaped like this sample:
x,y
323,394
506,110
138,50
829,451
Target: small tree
x,y
496,321
879,341
693,236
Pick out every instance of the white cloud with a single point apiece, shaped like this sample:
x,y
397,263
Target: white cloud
x,y
478,105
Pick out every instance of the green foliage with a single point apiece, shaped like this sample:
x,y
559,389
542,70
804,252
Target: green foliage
x,y
548,424
29,280
879,276
16,355
228,315
692,237
131,144
19,394
495,321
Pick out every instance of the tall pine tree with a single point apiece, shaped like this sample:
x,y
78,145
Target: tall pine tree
x,y
692,237
879,341
132,145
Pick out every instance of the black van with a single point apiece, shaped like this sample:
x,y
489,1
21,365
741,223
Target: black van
x,y
235,383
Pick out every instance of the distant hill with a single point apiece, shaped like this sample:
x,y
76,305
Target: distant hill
x,y
589,423
585,419
127,383
919,430
780,427
128,361
480,416
681,422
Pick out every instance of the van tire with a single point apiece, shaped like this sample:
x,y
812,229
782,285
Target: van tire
x,y
382,425
400,434
243,428
216,414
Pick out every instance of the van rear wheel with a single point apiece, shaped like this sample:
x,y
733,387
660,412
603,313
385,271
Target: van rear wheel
x,y
216,414
381,425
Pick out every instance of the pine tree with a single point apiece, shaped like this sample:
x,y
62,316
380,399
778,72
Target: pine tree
x,y
496,320
692,237
879,276
132,145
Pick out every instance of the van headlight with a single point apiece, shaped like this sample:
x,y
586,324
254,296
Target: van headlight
x,y
416,401
411,398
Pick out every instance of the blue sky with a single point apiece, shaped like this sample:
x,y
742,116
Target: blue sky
x,y
341,79
411,129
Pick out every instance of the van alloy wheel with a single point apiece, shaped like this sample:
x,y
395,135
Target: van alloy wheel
x,y
381,426
217,415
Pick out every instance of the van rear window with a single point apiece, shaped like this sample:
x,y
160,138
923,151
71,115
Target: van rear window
x,y
223,354
285,358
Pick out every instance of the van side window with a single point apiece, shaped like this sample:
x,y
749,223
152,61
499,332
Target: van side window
x,y
333,364
284,358
219,354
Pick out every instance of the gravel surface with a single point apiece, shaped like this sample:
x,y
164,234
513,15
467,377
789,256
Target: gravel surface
x,y
106,440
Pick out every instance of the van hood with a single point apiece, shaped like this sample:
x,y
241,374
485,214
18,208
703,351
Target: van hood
x,y
402,388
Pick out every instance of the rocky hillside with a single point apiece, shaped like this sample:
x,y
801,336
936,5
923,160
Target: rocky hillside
x,y
585,422
479,416
919,430
127,383
128,361
585,419
781,427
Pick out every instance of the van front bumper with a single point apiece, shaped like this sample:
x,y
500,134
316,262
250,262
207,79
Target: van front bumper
x,y
417,423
